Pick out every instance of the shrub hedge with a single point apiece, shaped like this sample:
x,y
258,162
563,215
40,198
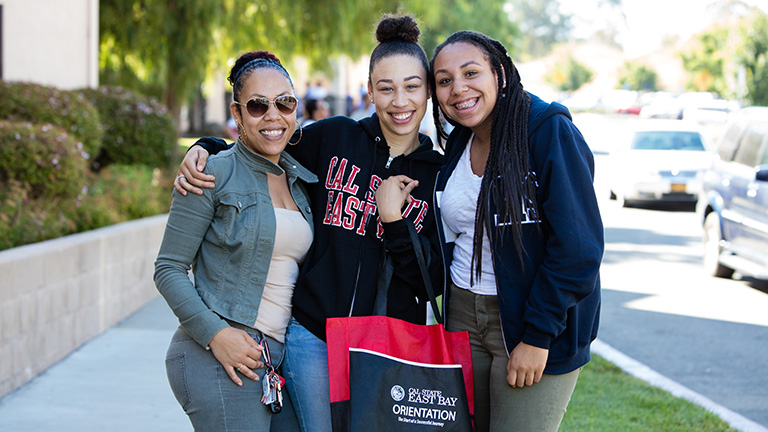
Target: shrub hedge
x,y
25,220
39,104
50,161
137,129
50,138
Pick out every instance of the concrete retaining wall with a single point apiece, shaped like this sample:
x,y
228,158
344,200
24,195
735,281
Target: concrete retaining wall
x,y
56,295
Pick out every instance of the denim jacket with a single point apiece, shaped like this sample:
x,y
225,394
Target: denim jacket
x,y
227,236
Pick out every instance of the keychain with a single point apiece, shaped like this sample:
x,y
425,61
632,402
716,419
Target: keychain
x,y
272,384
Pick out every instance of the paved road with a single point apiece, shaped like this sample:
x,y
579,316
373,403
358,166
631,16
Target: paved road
x,y
709,334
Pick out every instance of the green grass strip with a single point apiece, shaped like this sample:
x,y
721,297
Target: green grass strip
x,y
607,399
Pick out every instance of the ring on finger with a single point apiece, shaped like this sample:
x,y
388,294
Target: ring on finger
x,y
182,176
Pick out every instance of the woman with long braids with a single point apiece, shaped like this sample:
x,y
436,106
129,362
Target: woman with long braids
x,y
521,234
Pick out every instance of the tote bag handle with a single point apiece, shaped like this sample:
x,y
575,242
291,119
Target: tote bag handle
x,y
385,278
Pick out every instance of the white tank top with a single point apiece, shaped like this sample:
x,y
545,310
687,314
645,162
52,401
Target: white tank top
x,y
458,206
293,237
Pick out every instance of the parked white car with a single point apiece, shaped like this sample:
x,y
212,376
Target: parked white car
x,y
661,162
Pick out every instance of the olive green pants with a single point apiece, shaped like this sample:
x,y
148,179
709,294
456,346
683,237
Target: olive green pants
x,y
499,407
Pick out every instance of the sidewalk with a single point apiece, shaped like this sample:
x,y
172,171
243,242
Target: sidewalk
x,y
116,382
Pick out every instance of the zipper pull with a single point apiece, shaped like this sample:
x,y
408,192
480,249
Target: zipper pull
x,y
389,162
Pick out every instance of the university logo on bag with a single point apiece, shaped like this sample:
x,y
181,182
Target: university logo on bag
x,y
419,395
397,393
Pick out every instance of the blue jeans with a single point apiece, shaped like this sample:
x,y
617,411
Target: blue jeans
x,y
209,397
305,369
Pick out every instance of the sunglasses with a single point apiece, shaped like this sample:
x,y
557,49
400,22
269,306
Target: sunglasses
x,y
257,107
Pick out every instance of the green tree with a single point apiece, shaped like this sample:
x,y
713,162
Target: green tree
x,y
318,32
159,44
569,75
541,24
485,16
311,29
706,64
638,77
752,56
166,48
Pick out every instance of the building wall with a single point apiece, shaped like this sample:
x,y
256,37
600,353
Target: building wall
x,y
51,42
58,294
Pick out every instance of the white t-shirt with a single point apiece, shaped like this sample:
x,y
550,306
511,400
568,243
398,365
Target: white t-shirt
x,y
458,206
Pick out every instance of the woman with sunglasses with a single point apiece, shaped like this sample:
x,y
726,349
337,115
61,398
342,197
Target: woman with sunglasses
x,y
376,179
521,234
245,240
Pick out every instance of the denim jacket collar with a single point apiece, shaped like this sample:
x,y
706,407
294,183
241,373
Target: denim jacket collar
x,y
287,163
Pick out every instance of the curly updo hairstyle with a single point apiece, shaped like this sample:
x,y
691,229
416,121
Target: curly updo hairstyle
x,y
397,35
249,62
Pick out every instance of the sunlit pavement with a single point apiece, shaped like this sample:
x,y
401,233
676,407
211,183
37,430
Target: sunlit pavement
x,y
701,333
116,382
656,272
659,308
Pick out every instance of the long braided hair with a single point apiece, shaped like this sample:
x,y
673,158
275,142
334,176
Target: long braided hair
x,y
508,184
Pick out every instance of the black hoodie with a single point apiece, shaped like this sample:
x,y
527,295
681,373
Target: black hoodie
x,y
339,275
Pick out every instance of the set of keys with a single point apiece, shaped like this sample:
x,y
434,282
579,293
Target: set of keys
x,y
272,383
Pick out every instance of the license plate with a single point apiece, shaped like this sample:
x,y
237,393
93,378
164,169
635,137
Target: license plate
x,y
677,188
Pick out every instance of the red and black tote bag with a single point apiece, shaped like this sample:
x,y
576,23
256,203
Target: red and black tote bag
x,y
390,375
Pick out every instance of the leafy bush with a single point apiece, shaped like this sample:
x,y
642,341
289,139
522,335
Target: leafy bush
x,y
133,191
638,77
50,138
137,129
39,104
752,55
569,75
50,161
117,194
26,220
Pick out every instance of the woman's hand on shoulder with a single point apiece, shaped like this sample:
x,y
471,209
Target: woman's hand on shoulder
x,y
392,195
190,176
237,351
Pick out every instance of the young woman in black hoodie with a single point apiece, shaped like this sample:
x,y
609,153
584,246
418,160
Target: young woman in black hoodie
x,y
376,178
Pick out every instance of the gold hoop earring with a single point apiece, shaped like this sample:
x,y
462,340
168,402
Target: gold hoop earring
x,y
301,133
241,133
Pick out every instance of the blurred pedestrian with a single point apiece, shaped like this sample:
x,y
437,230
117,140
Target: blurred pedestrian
x,y
316,91
230,129
365,108
315,109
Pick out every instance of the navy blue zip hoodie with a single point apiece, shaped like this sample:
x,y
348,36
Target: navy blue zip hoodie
x,y
552,300
339,275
